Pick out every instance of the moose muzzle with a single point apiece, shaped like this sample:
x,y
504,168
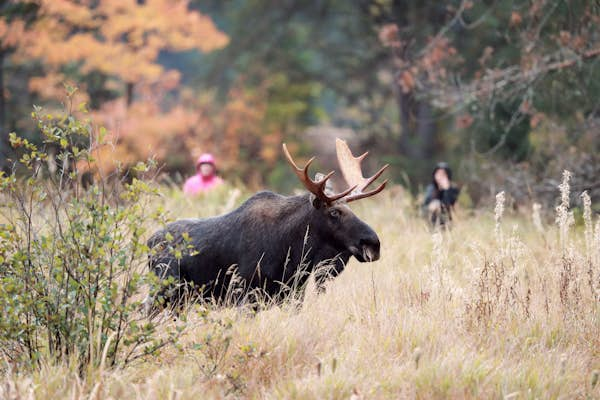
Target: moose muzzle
x,y
367,249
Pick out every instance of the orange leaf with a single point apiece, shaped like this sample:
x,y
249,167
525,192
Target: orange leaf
x,y
464,121
407,82
515,18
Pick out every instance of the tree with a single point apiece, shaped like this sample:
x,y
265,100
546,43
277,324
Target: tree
x,y
499,69
14,18
108,47
316,60
483,55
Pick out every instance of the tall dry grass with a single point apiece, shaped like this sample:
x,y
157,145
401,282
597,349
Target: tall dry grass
x,y
498,307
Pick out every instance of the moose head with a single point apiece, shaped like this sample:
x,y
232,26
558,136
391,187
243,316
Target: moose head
x,y
332,217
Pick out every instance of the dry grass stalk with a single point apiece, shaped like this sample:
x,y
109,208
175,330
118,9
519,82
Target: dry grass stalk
x,y
498,212
467,316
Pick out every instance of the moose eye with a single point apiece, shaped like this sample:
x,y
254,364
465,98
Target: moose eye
x,y
334,214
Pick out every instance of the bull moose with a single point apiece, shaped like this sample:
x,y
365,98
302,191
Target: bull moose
x,y
271,242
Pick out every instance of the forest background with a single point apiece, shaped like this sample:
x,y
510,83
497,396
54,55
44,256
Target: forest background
x,y
505,91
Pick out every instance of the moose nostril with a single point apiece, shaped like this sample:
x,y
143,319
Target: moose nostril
x,y
370,248
370,242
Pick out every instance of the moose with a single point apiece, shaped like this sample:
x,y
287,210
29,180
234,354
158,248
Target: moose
x,y
272,242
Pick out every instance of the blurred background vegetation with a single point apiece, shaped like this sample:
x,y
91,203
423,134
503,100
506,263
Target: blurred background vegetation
x,y
506,91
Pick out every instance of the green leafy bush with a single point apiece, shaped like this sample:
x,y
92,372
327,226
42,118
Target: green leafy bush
x,y
73,259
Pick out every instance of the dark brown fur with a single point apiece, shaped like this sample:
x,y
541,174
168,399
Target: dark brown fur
x,y
271,241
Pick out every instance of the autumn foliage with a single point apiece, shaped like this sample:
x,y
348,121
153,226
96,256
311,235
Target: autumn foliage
x,y
235,132
413,81
118,41
121,39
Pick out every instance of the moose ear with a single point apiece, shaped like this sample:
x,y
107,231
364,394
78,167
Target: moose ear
x,y
315,201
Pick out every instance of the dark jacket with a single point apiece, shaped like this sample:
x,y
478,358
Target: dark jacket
x,y
446,197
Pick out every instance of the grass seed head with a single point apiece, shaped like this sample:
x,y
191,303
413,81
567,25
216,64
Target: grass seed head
x,y
498,212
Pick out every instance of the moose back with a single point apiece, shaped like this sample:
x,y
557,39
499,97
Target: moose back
x,y
271,242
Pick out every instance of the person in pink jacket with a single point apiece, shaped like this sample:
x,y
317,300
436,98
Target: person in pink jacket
x,y
206,176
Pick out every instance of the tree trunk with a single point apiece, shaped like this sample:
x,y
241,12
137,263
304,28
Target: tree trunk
x,y
418,130
129,94
403,100
426,130
4,145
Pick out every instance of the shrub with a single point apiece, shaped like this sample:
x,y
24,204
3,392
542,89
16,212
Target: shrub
x,y
72,259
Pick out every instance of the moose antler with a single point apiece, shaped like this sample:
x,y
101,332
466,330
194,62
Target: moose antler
x,y
352,172
315,187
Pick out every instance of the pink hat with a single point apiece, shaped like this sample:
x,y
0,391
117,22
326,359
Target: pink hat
x,y
205,158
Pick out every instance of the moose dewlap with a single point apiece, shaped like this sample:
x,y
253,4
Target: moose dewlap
x,y
271,242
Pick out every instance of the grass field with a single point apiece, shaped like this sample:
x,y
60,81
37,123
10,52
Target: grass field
x,y
495,308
